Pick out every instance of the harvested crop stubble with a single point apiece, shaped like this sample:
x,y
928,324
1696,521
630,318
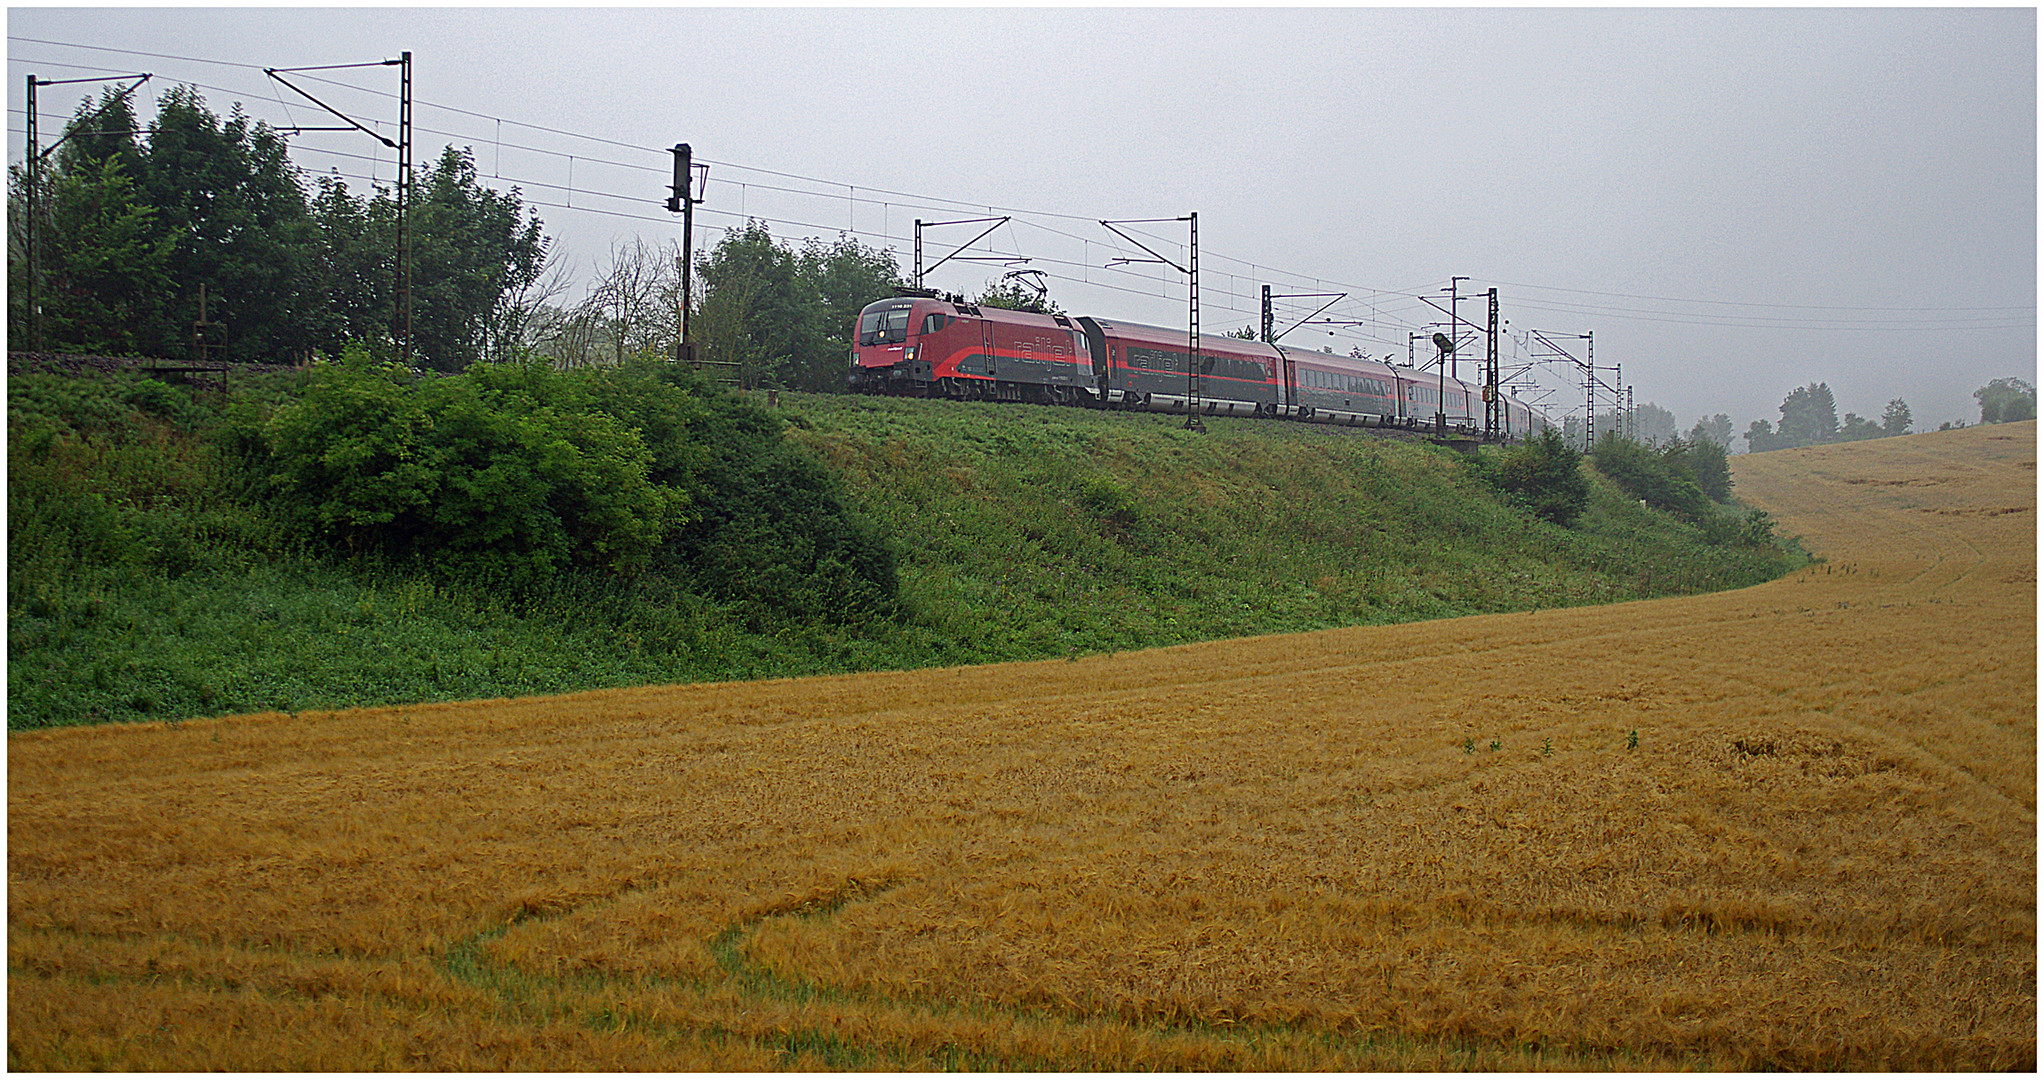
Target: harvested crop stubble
x,y
1417,846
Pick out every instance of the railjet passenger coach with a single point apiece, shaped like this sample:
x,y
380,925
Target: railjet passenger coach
x,y
930,347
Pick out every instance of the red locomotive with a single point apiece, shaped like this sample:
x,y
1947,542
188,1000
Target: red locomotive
x,y
925,346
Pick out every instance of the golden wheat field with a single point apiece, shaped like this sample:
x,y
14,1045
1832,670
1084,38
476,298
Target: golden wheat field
x,y
1792,826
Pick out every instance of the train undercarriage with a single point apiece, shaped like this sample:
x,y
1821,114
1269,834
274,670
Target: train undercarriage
x,y
902,385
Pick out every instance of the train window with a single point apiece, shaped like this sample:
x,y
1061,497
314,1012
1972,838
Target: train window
x,y
933,322
884,327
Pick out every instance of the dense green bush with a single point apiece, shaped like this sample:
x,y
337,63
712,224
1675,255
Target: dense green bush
x,y
1708,465
1661,478
512,473
1543,475
776,533
111,471
507,473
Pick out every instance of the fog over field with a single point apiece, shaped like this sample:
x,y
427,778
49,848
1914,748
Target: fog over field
x,y
1733,202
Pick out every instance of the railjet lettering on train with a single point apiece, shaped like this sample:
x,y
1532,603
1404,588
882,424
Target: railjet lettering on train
x,y
929,347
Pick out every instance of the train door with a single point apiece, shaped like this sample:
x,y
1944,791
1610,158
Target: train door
x,y
1081,367
986,348
1096,347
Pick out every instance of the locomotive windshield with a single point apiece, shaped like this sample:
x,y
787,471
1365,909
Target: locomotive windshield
x,y
888,326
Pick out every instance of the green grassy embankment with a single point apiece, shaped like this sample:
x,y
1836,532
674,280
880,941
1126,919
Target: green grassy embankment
x,y
149,579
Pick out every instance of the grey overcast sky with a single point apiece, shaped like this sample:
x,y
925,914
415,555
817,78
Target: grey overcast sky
x,y
1734,202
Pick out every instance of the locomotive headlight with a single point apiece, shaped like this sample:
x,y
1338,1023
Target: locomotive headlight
x,y
910,352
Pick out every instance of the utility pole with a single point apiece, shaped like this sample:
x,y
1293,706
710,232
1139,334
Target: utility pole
x,y
35,270
917,279
1192,421
1589,407
1192,372
404,198
32,202
401,317
1446,345
1589,368
1496,419
683,201
1455,319
1290,375
1618,399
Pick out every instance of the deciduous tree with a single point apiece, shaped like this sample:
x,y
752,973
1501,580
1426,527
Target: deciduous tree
x,y
1761,437
1716,429
1652,424
1857,427
473,247
844,276
2005,400
755,313
228,195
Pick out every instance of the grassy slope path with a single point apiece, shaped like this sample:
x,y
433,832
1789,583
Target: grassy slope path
x,y
1417,846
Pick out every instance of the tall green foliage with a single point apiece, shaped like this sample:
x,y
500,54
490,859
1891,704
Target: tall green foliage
x,y
507,473
1015,295
351,266
1708,465
1895,419
229,193
755,313
513,474
785,316
1543,475
130,235
103,258
104,283
1809,417
2006,400
777,534
475,248
844,276
1664,479
1855,428
1714,429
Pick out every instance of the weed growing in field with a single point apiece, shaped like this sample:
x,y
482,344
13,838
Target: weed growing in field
x,y
1632,740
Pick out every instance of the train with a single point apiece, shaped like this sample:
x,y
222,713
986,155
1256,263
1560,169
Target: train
x,y
930,346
